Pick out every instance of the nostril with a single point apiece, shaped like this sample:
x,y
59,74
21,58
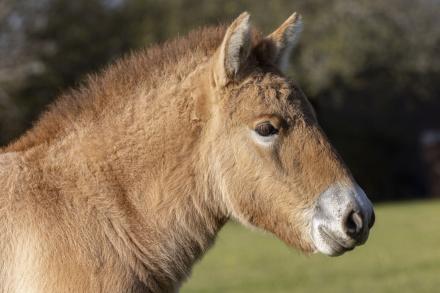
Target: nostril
x,y
372,220
354,224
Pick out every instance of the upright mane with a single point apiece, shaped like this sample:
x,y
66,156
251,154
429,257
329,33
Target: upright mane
x,y
148,68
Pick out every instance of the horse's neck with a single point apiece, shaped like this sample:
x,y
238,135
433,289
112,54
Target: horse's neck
x,y
166,223
139,171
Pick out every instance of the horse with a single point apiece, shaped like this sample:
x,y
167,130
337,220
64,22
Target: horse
x,y
124,182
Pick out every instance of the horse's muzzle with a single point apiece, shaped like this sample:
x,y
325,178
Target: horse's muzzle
x,y
341,220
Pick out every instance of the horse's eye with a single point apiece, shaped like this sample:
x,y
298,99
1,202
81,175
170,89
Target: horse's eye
x,y
266,129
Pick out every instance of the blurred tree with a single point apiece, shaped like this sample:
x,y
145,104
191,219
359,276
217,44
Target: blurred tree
x,y
79,37
17,61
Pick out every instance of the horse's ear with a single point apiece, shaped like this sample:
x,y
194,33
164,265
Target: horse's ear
x,y
277,46
234,50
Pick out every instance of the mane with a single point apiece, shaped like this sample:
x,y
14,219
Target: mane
x,y
147,68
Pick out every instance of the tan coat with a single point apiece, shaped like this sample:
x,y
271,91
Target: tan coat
x,y
124,183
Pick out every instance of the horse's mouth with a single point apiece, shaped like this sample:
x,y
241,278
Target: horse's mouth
x,y
337,245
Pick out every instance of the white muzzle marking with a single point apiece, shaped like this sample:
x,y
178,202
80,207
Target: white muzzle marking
x,y
341,220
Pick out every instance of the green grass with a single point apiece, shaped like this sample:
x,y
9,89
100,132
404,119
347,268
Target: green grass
x,y
401,255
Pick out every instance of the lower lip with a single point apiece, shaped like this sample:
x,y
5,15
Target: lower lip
x,y
337,247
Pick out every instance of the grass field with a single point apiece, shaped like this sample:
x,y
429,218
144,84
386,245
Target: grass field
x,y
402,255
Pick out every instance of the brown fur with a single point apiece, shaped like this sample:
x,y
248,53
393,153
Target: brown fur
x,y
124,183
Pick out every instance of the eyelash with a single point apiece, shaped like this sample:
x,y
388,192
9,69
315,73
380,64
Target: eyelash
x,y
266,129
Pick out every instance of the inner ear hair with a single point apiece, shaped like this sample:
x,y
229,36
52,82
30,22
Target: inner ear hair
x,y
234,51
